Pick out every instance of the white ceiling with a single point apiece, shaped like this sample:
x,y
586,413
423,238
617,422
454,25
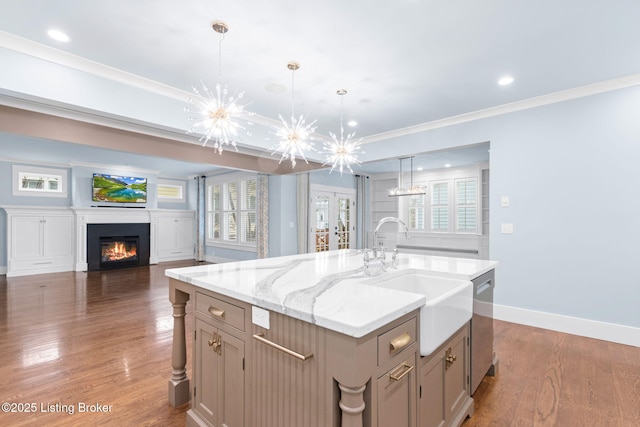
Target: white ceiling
x,y
405,63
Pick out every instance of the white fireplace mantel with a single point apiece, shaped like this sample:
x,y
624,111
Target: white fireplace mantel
x,y
43,239
110,215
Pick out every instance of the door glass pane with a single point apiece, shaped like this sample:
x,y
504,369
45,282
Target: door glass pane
x,y
344,223
322,223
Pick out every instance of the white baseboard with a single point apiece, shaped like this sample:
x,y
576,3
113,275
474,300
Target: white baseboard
x,y
621,334
3,271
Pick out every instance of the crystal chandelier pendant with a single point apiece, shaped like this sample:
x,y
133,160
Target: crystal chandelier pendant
x,y
295,137
218,117
342,152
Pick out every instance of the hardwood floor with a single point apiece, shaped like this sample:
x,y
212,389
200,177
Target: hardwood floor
x,y
548,378
104,338
87,338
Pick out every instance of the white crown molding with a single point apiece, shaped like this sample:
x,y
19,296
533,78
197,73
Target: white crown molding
x,y
66,59
57,56
40,51
552,98
621,334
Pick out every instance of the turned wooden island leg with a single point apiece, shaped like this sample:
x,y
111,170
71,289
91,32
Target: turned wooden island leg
x,y
179,392
352,405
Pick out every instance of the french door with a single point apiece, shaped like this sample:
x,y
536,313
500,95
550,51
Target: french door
x,y
332,222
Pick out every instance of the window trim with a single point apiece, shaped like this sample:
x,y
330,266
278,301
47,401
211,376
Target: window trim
x,y
19,170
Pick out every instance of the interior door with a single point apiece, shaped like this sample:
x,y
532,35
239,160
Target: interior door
x,y
332,222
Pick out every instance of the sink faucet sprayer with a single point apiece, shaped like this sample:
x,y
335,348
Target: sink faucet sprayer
x,y
376,265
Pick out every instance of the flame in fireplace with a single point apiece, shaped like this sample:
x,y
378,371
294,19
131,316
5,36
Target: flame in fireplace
x,y
117,252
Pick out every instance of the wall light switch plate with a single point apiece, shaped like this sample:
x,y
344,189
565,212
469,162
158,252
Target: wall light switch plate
x,y
504,201
260,317
506,228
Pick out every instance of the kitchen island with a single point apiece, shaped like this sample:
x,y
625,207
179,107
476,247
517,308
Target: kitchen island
x,y
310,340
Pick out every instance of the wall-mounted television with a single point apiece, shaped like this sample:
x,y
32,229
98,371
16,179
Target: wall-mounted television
x,y
119,189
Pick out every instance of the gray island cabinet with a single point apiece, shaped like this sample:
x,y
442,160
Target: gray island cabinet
x,y
306,341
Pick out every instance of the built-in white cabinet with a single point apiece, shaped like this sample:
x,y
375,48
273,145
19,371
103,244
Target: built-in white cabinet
x,y
39,240
176,235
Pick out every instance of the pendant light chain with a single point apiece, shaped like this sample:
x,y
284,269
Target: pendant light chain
x,y
220,57
341,116
293,91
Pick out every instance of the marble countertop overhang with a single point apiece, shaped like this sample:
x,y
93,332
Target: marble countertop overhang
x,y
328,289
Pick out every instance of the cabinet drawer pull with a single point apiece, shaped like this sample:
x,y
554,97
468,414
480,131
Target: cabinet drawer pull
x,y
401,372
260,337
218,312
399,342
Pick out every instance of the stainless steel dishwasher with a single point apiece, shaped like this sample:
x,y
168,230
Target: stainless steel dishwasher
x,y
483,360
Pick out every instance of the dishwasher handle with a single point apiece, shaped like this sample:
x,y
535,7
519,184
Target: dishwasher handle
x,y
483,287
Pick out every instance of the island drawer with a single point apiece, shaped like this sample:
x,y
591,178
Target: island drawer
x,y
220,310
397,339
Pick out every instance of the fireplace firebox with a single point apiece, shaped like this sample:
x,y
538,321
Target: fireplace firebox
x,y
122,251
111,246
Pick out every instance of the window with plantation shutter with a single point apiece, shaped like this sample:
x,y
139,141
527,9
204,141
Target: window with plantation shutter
x,y
456,203
416,212
466,207
440,206
248,211
231,211
213,212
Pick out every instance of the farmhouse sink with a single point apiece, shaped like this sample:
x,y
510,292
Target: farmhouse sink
x,y
448,303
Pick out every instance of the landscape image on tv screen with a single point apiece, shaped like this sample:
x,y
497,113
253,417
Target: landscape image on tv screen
x,y
119,189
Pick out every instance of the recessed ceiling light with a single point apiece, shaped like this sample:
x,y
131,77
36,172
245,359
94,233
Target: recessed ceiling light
x,y
506,80
58,35
275,88
352,123
448,165
420,169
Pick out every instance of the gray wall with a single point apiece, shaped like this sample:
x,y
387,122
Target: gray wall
x,y
569,170
79,192
283,239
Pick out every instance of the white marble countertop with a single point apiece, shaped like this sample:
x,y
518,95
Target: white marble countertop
x,y
328,289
